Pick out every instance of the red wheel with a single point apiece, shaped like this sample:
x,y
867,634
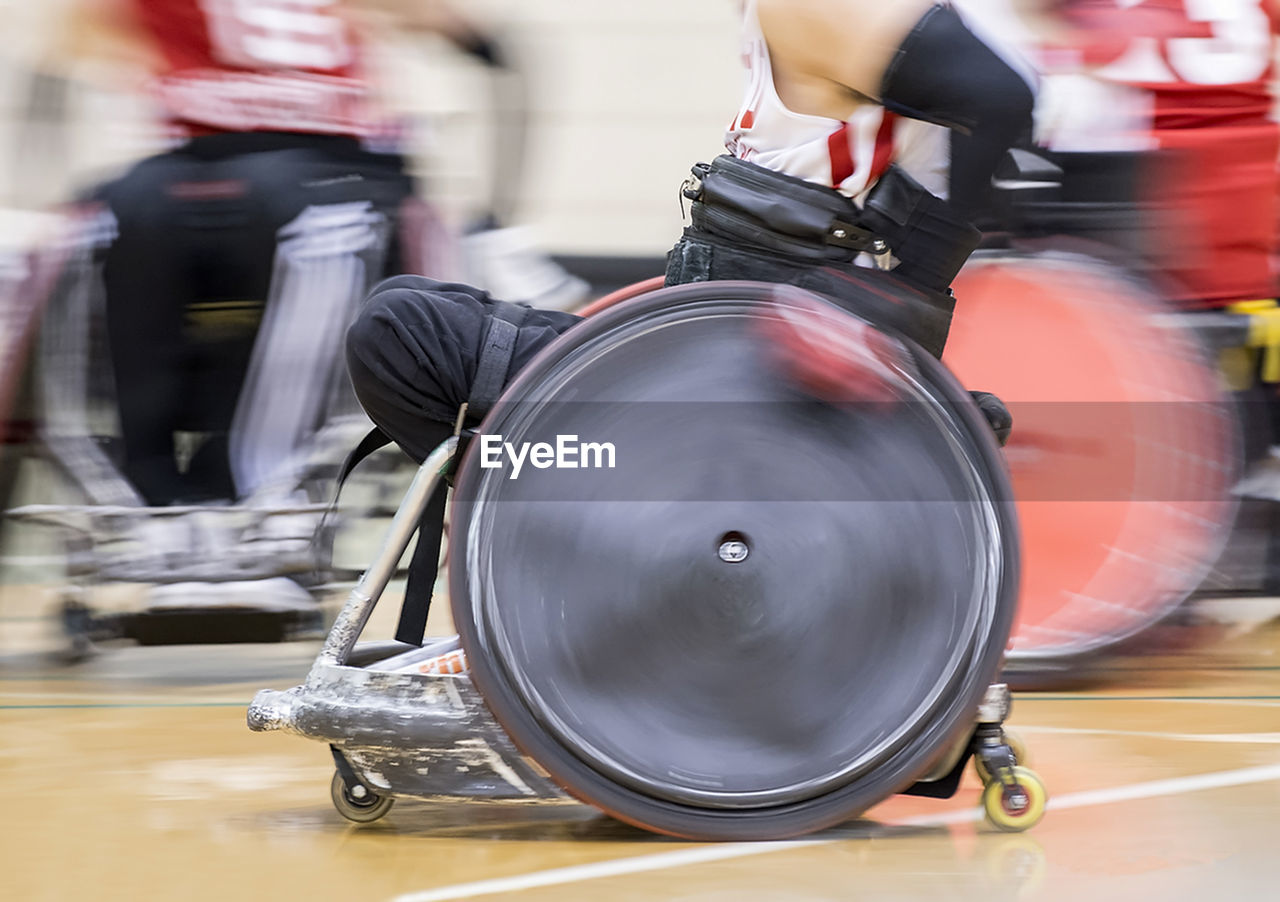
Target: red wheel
x,y
622,294
1122,452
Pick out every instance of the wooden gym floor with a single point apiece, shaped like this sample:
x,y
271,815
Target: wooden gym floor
x,y
133,777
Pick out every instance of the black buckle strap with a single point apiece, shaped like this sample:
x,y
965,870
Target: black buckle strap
x,y
763,206
495,357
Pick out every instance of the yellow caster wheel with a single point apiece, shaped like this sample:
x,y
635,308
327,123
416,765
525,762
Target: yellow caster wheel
x,y
1017,804
1019,755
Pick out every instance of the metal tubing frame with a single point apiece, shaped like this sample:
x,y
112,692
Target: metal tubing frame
x,y
364,596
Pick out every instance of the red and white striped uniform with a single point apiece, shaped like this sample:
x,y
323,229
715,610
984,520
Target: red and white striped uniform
x,y
257,65
847,155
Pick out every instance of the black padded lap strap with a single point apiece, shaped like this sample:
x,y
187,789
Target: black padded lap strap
x,y
758,207
495,357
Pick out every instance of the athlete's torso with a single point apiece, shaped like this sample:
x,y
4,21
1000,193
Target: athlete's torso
x,y
848,155
257,65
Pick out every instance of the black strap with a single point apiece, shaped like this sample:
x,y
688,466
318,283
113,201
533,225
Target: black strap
x,y
758,208
495,357
424,566
374,440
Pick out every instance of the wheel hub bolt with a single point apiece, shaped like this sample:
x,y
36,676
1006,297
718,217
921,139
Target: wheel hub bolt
x,y
733,552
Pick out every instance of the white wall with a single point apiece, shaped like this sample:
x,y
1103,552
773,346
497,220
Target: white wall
x,y
624,98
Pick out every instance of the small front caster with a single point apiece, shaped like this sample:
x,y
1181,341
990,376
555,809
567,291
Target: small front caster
x,y
1016,746
80,628
357,803
1015,801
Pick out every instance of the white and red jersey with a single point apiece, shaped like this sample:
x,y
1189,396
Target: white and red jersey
x,y
257,65
848,155
1206,68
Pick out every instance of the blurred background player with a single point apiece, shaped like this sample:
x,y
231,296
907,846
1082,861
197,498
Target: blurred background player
x,y
1160,115
1197,81
1170,105
275,112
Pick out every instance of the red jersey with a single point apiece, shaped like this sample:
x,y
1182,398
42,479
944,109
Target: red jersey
x,y
257,65
1207,66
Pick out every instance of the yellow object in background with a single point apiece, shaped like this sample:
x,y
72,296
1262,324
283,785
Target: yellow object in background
x,y
1264,333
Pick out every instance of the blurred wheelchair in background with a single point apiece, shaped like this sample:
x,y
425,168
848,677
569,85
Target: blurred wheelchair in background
x,y
249,566
1132,435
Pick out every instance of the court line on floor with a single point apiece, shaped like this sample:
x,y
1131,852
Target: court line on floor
x,y
1033,697
7,705
125,705
723,852
1243,738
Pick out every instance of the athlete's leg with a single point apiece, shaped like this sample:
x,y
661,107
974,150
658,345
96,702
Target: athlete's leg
x,y
189,276
147,276
413,351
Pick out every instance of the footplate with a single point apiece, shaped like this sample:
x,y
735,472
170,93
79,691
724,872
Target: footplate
x,y
405,733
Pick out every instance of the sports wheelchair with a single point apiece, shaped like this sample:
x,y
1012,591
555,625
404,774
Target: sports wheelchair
x,y
787,600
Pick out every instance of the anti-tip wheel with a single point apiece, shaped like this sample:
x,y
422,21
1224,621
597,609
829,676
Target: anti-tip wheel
x,y
362,811
1020,756
1015,805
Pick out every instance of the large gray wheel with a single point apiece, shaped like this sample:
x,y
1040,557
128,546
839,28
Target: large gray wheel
x,y
771,612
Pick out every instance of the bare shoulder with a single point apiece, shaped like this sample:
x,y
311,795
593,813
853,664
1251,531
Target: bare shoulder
x,y
849,42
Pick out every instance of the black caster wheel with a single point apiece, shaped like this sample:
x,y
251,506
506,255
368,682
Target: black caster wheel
x,y
363,809
1016,745
1016,803
78,630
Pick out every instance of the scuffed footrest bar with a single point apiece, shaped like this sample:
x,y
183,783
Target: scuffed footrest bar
x,y
408,734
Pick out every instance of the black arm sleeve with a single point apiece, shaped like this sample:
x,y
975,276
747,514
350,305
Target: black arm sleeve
x,y
943,73
482,47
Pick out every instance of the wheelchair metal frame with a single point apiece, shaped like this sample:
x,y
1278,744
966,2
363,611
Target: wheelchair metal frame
x,y
403,733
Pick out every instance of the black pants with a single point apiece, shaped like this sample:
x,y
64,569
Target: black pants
x,y
412,354
188,275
